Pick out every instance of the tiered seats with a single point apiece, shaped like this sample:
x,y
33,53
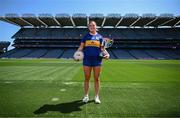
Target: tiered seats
x,y
53,53
114,53
171,53
37,53
157,54
140,54
68,53
122,54
129,43
20,53
112,56
5,55
71,33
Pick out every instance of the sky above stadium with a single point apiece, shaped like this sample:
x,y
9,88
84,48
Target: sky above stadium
x,y
81,6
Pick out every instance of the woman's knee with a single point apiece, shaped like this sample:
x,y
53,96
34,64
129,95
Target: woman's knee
x,y
87,79
87,72
97,79
87,76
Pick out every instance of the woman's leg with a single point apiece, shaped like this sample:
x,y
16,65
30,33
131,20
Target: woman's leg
x,y
87,74
97,70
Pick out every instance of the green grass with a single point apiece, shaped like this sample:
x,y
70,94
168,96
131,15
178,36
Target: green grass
x,y
54,88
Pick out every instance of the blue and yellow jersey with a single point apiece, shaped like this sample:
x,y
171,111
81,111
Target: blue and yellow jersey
x,y
93,44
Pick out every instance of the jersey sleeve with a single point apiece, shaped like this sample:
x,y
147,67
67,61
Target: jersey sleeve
x,y
101,41
83,40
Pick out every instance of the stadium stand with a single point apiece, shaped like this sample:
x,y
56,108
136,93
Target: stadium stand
x,y
68,53
140,54
3,46
37,53
5,55
171,54
53,53
123,54
135,37
20,53
157,54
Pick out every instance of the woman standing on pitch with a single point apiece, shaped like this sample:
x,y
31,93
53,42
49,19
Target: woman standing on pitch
x,y
92,46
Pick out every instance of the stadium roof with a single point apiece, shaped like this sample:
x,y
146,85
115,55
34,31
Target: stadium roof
x,y
79,19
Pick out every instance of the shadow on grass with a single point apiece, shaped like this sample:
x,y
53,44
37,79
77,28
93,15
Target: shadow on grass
x,y
63,107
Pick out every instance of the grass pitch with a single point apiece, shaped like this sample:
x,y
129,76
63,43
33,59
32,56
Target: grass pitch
x,y
54,88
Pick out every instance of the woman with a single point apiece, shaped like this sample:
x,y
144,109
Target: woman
x,y
92,46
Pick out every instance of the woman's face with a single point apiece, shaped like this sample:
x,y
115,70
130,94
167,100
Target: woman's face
x,y
92,27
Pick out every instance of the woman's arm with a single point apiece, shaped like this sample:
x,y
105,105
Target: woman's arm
x,y
81,47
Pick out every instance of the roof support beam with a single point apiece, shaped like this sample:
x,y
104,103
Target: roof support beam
x,y
151,22
103,21
166,22
11,22
176,23
42,22
26,21
119,22
135,21
72,22
87,21
56,21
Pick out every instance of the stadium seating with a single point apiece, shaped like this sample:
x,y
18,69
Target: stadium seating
x,y
129,43
157,54
19,53
53,53
140,54
10,52
68,53
72,33
3,46
37,53
135,37
123,54
114,53
171,53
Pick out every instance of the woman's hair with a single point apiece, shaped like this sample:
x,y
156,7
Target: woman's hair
x,y
92,21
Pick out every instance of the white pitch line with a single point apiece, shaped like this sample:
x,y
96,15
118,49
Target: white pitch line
x,y
62,62
55,99
62,90
8,82
68,83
